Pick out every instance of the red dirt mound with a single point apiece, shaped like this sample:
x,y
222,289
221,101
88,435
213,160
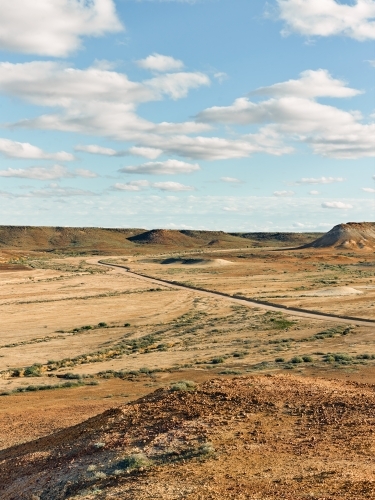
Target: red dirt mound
x,y
258,437
351,236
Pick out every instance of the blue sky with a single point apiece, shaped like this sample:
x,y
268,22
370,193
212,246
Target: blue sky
x,y
207,114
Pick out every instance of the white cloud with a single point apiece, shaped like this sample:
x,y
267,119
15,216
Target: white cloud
x,y
177,85
336,205
284,193
312,84
328,18
320,180
168,167
49,83
96,150
221,76
328,130
150,153
54,28
13,149
372,62
212,148
56,191
144,184
171,186
368,190
83,172
314,193
160,63
230,209
230,179
132,185
46,173
96,101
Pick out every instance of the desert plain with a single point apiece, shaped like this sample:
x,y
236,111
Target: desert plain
x,y
125,375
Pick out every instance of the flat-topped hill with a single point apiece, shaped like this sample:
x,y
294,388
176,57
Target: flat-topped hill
x,y
80,239
350,236
250,437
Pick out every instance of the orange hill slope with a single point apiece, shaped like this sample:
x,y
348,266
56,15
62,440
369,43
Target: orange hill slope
x,y
250,437
351,236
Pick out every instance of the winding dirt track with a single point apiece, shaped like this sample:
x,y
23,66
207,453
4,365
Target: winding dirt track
x,y
269,306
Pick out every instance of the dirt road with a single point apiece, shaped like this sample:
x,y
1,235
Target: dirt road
x,y
245,302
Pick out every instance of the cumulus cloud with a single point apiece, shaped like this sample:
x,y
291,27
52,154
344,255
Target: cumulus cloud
x,y
213,148
83,172
284,193
132,185
317,83
330,131
368,190
230,179
13,149
313,192
144,184
46,173
160,63
56,191
168,167
96,101
336,205
329,18
320,180
96,150
54,28
150,153
230,209
171,186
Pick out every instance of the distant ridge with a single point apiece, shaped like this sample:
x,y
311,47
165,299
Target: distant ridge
x,y
103,241
350,236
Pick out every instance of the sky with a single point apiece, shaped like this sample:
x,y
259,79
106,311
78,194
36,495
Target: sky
x,y
208,114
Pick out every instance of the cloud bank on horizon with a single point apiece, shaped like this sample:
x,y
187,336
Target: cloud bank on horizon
x,y
98,85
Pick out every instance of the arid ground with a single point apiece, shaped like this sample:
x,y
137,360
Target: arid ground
x,y
286,409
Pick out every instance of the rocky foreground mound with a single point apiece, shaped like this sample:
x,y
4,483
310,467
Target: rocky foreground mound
x,y
258,437
350,236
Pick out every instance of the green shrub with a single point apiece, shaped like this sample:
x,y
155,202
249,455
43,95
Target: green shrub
x,y
307,359
183,385
33,371
133,462
102,324
280,360
217,361
296,360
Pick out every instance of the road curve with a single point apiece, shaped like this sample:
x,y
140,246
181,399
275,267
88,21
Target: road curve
x,y
269,306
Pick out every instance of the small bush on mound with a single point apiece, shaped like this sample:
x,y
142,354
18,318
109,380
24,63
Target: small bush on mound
x,y
71,376
307,359
33,371
184,385
296,360
280,360
217,361
230,372
133,462
102,324
342,359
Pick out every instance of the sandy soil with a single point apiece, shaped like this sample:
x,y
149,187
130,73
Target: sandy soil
x,y
249,438
67,320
